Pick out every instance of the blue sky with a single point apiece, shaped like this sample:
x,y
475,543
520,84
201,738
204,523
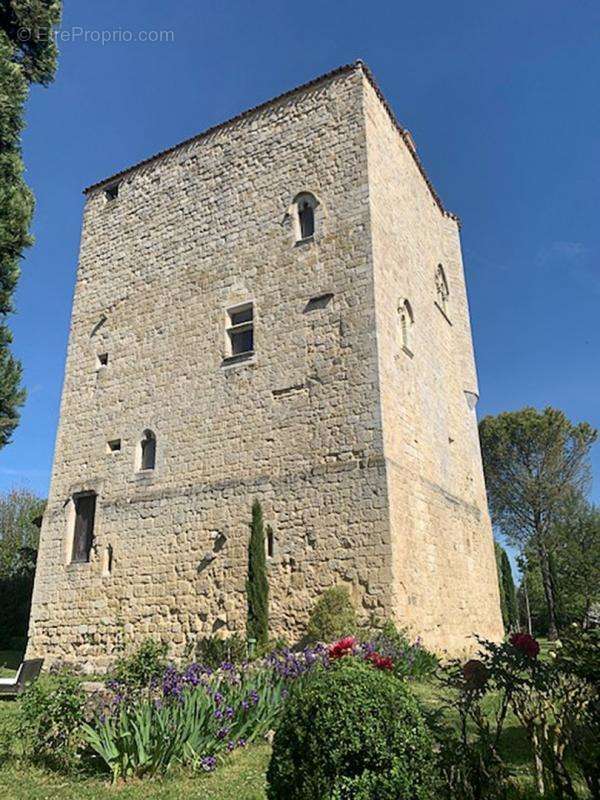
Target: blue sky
x,y
502,100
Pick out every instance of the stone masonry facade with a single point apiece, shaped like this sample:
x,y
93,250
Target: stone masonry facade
x,y
351,418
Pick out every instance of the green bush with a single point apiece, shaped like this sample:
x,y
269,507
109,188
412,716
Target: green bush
x,y
50,721
332,617
212,651
351,731
145,664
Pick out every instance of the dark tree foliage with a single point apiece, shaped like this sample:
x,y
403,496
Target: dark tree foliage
x,y
534,462
20,517
510,594
257,585
27,55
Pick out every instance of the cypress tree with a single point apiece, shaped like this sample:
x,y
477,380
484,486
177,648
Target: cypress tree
x,y
503,606
510,595
257,586
27,55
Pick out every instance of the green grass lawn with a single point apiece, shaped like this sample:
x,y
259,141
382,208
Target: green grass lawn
x,y
9,662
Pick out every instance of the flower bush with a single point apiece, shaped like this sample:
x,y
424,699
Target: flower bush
x,y
550,702
191,718
410,658
351,731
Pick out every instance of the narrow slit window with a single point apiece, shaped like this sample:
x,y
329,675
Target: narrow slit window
x,y
406,323
102,360
270,542
306,216
108,561
442,290
240,330
83,537
148,450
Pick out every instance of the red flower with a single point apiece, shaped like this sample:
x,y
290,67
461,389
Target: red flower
x,y
526,644
381,662
342,648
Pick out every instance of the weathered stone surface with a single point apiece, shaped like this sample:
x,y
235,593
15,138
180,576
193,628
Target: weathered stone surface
x,y
364,457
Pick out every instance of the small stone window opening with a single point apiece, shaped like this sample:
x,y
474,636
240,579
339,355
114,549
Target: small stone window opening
x,y
305,205
148,450
240,330
114,446
406,324
83,536
270,542
102,360
111,192
442,291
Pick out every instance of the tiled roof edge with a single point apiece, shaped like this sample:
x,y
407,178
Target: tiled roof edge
x,y
327,76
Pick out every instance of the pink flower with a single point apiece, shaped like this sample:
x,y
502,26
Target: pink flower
x,y
526,644
342,648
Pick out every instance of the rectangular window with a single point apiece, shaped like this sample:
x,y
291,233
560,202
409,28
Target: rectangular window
x,y
83,536
240,330
102,360
114,445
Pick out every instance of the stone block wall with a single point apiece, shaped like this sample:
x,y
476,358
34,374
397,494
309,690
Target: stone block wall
x,y
344,443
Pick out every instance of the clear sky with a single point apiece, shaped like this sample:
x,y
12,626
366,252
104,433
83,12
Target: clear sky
x,y
502,100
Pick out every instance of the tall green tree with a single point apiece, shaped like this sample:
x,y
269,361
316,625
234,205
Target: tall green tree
x,y
576,560
257,584
27,55
508,593
20,516
534,462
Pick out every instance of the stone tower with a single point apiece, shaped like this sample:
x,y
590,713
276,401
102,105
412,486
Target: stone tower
x,y
273,309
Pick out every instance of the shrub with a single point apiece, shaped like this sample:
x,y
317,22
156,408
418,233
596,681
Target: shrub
x,y
212,651
333,616
351,731
141,667
50,720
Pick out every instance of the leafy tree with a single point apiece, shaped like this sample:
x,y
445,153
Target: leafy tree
x,y
534,463
575,561
257,585
27,55
20,513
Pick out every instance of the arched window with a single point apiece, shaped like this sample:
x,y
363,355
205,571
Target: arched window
x,y
441,287
406,322
305,204
148,451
